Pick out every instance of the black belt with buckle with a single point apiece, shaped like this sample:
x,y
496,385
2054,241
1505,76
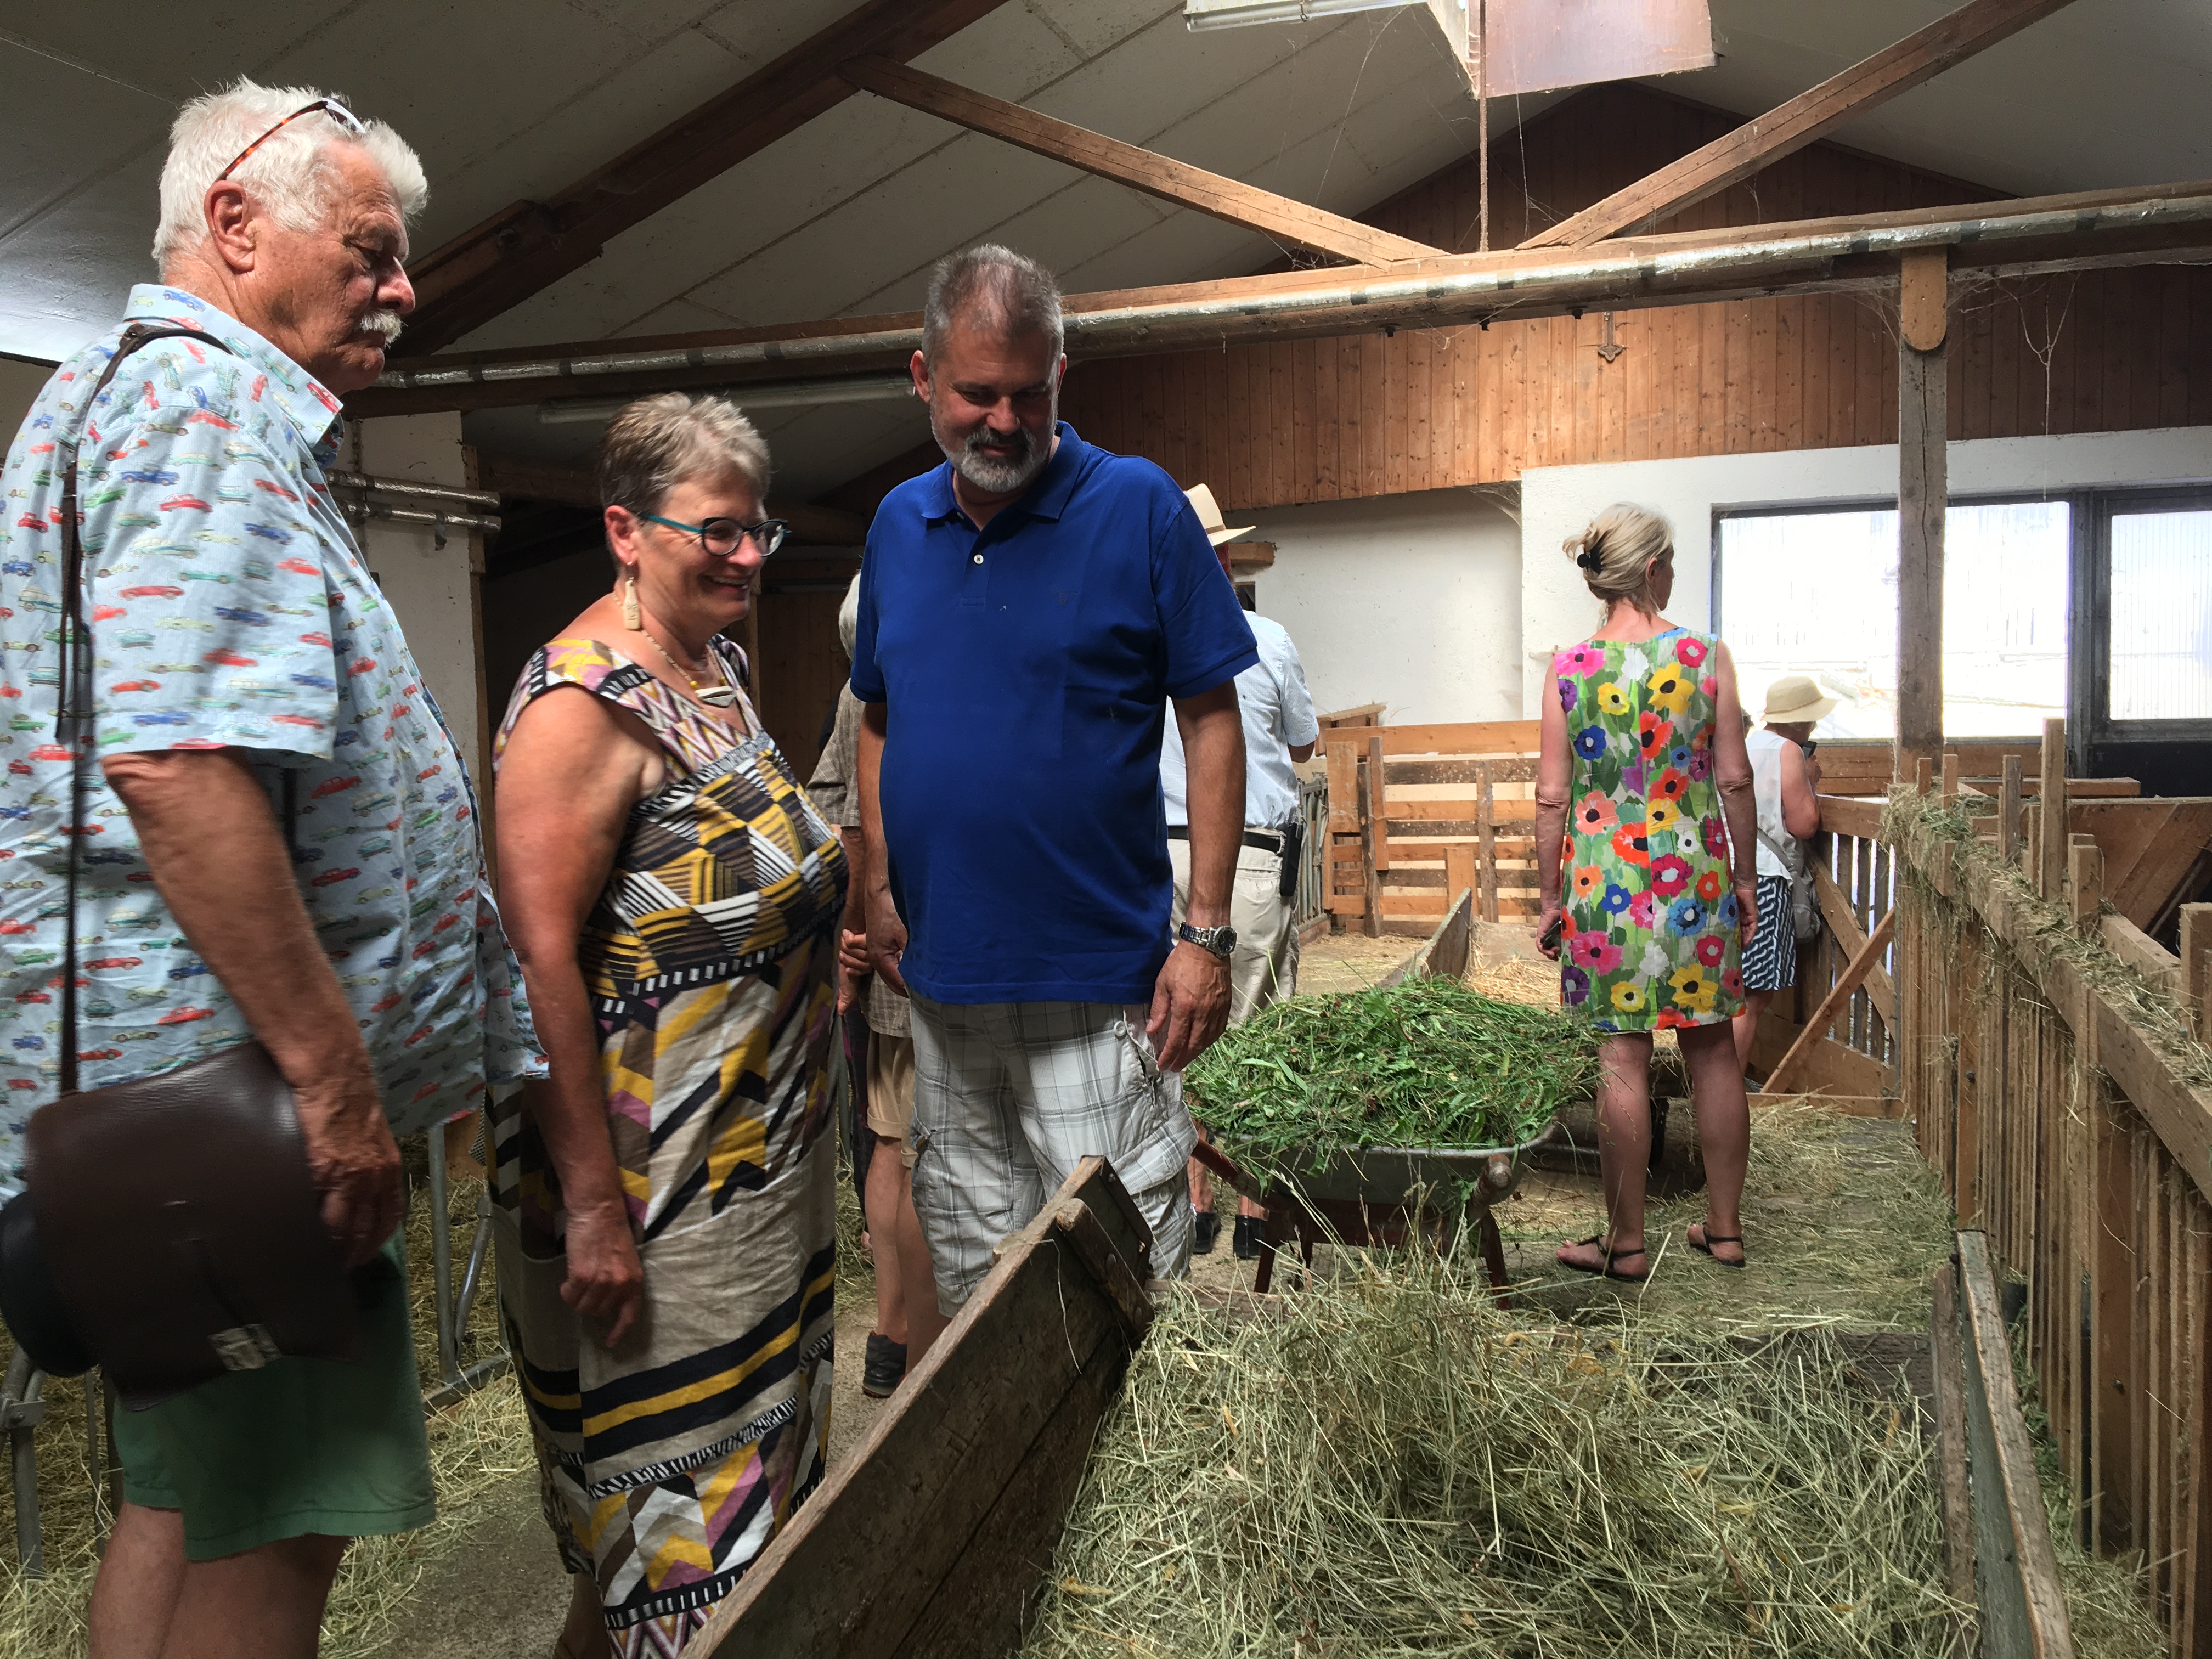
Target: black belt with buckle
x,y
1267,841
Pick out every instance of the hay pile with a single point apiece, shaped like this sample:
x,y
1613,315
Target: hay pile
x,y
1394,1466
1430,1062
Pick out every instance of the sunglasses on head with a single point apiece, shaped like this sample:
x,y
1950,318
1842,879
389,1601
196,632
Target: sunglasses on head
x,y
338,112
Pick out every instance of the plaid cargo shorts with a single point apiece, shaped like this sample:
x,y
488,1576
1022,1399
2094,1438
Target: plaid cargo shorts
x,y
1009,1097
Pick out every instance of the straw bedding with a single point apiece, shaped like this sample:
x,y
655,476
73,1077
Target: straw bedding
x,y
1395,1466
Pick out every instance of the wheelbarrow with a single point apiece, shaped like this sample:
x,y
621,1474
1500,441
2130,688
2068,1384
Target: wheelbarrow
x,y
1379,1196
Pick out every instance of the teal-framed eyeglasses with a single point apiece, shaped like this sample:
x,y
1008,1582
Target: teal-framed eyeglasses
x,y
721,538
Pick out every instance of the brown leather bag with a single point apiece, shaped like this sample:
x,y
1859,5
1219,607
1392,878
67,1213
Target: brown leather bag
x,y
170,1228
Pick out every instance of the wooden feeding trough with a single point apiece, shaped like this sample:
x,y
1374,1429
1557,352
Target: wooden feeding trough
x,y
931,1540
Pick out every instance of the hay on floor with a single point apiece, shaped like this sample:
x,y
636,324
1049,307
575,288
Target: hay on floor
x,y
1395,1466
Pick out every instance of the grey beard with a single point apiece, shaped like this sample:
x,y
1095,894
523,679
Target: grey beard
x,y
994,476
386,323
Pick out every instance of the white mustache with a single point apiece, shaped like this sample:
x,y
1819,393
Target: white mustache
x,y
384,323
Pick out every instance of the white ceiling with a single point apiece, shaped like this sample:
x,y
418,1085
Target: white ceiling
x,y
846,214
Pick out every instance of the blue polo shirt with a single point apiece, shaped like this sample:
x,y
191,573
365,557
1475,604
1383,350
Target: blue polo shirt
x,y
1027,668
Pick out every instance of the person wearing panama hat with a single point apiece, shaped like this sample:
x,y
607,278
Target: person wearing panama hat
x,y
1279,731
1785,780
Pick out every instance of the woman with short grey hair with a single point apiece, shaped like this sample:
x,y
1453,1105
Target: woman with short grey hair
x,y
666,1199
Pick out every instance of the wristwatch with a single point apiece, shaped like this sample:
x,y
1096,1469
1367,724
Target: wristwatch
x,y
1221,941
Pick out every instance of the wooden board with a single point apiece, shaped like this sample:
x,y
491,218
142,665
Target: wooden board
x,y
2015,1569
929,1541
1465,738
1828,1068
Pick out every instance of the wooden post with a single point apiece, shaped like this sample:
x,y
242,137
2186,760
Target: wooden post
x,y
1950,777
1485,835
1370,836
2196,966
1923,775
2051,811
1379,798
2008,800
1922,493
1462,873
2084,879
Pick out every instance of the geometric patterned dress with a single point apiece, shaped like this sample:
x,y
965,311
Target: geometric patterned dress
x,y
1650,941
668,1466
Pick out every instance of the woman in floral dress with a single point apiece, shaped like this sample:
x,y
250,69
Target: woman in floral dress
x,y
1644,845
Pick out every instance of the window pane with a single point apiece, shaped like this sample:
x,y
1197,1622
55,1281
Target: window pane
x,y
2161,617
1816,593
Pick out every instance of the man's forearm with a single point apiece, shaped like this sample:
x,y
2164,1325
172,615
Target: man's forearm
x,y
1213,767
216,852
868,769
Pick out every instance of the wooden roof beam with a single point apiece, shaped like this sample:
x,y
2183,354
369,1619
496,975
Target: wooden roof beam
x,y
1809,116
2083,230
1272,215
527,247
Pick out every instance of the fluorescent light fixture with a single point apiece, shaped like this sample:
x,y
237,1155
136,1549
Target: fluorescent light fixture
x,y
774,394
1233,14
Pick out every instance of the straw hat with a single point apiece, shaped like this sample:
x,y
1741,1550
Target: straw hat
x,y
1209,517
1794,698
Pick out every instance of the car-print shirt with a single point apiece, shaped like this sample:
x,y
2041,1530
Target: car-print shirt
x,y
230,608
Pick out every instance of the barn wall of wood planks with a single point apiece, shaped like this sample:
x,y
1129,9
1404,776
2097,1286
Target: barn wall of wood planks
x,y
2067,1115
1361,416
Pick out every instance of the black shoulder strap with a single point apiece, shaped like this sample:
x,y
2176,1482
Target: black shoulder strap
x,y
75,725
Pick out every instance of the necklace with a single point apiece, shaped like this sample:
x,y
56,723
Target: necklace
x,y
721,696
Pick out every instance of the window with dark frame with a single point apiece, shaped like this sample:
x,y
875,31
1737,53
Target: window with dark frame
x,y
2094,605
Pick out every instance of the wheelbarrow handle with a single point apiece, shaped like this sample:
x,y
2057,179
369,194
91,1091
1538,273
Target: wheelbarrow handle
x,y
1229,1169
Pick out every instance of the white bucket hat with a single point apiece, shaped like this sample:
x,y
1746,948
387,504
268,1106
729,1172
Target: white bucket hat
x,y
1209,517
1794,698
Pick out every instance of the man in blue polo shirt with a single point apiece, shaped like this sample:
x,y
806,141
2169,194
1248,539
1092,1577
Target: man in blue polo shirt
x,y
1028,610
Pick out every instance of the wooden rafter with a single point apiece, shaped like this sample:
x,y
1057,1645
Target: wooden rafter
x,y
1185,186
529,246
2083,230
1809,116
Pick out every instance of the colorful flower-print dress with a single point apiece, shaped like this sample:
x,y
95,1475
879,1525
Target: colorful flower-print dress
x,y
1650,938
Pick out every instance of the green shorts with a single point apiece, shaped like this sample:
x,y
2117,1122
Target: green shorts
x,y
299,1447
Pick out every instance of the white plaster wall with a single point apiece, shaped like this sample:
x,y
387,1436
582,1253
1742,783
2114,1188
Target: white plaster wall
x,y
1413,601
429,587
1557,501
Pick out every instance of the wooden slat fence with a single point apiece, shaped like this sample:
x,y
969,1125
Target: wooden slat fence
x,y
2061,1092
1855,882
1418,813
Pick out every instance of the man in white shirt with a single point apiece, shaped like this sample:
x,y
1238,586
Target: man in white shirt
x,y
1279,731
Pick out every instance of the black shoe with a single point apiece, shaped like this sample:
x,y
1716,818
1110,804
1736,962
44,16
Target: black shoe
x,y
1246,1241
1204,1232
884,1367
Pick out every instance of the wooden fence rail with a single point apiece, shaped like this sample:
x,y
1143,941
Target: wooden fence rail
x,y
1418,813
2059,1089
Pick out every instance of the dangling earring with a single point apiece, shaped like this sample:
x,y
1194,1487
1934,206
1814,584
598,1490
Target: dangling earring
x,y
631,619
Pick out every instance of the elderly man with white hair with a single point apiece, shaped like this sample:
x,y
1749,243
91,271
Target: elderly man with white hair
x,y
287,845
